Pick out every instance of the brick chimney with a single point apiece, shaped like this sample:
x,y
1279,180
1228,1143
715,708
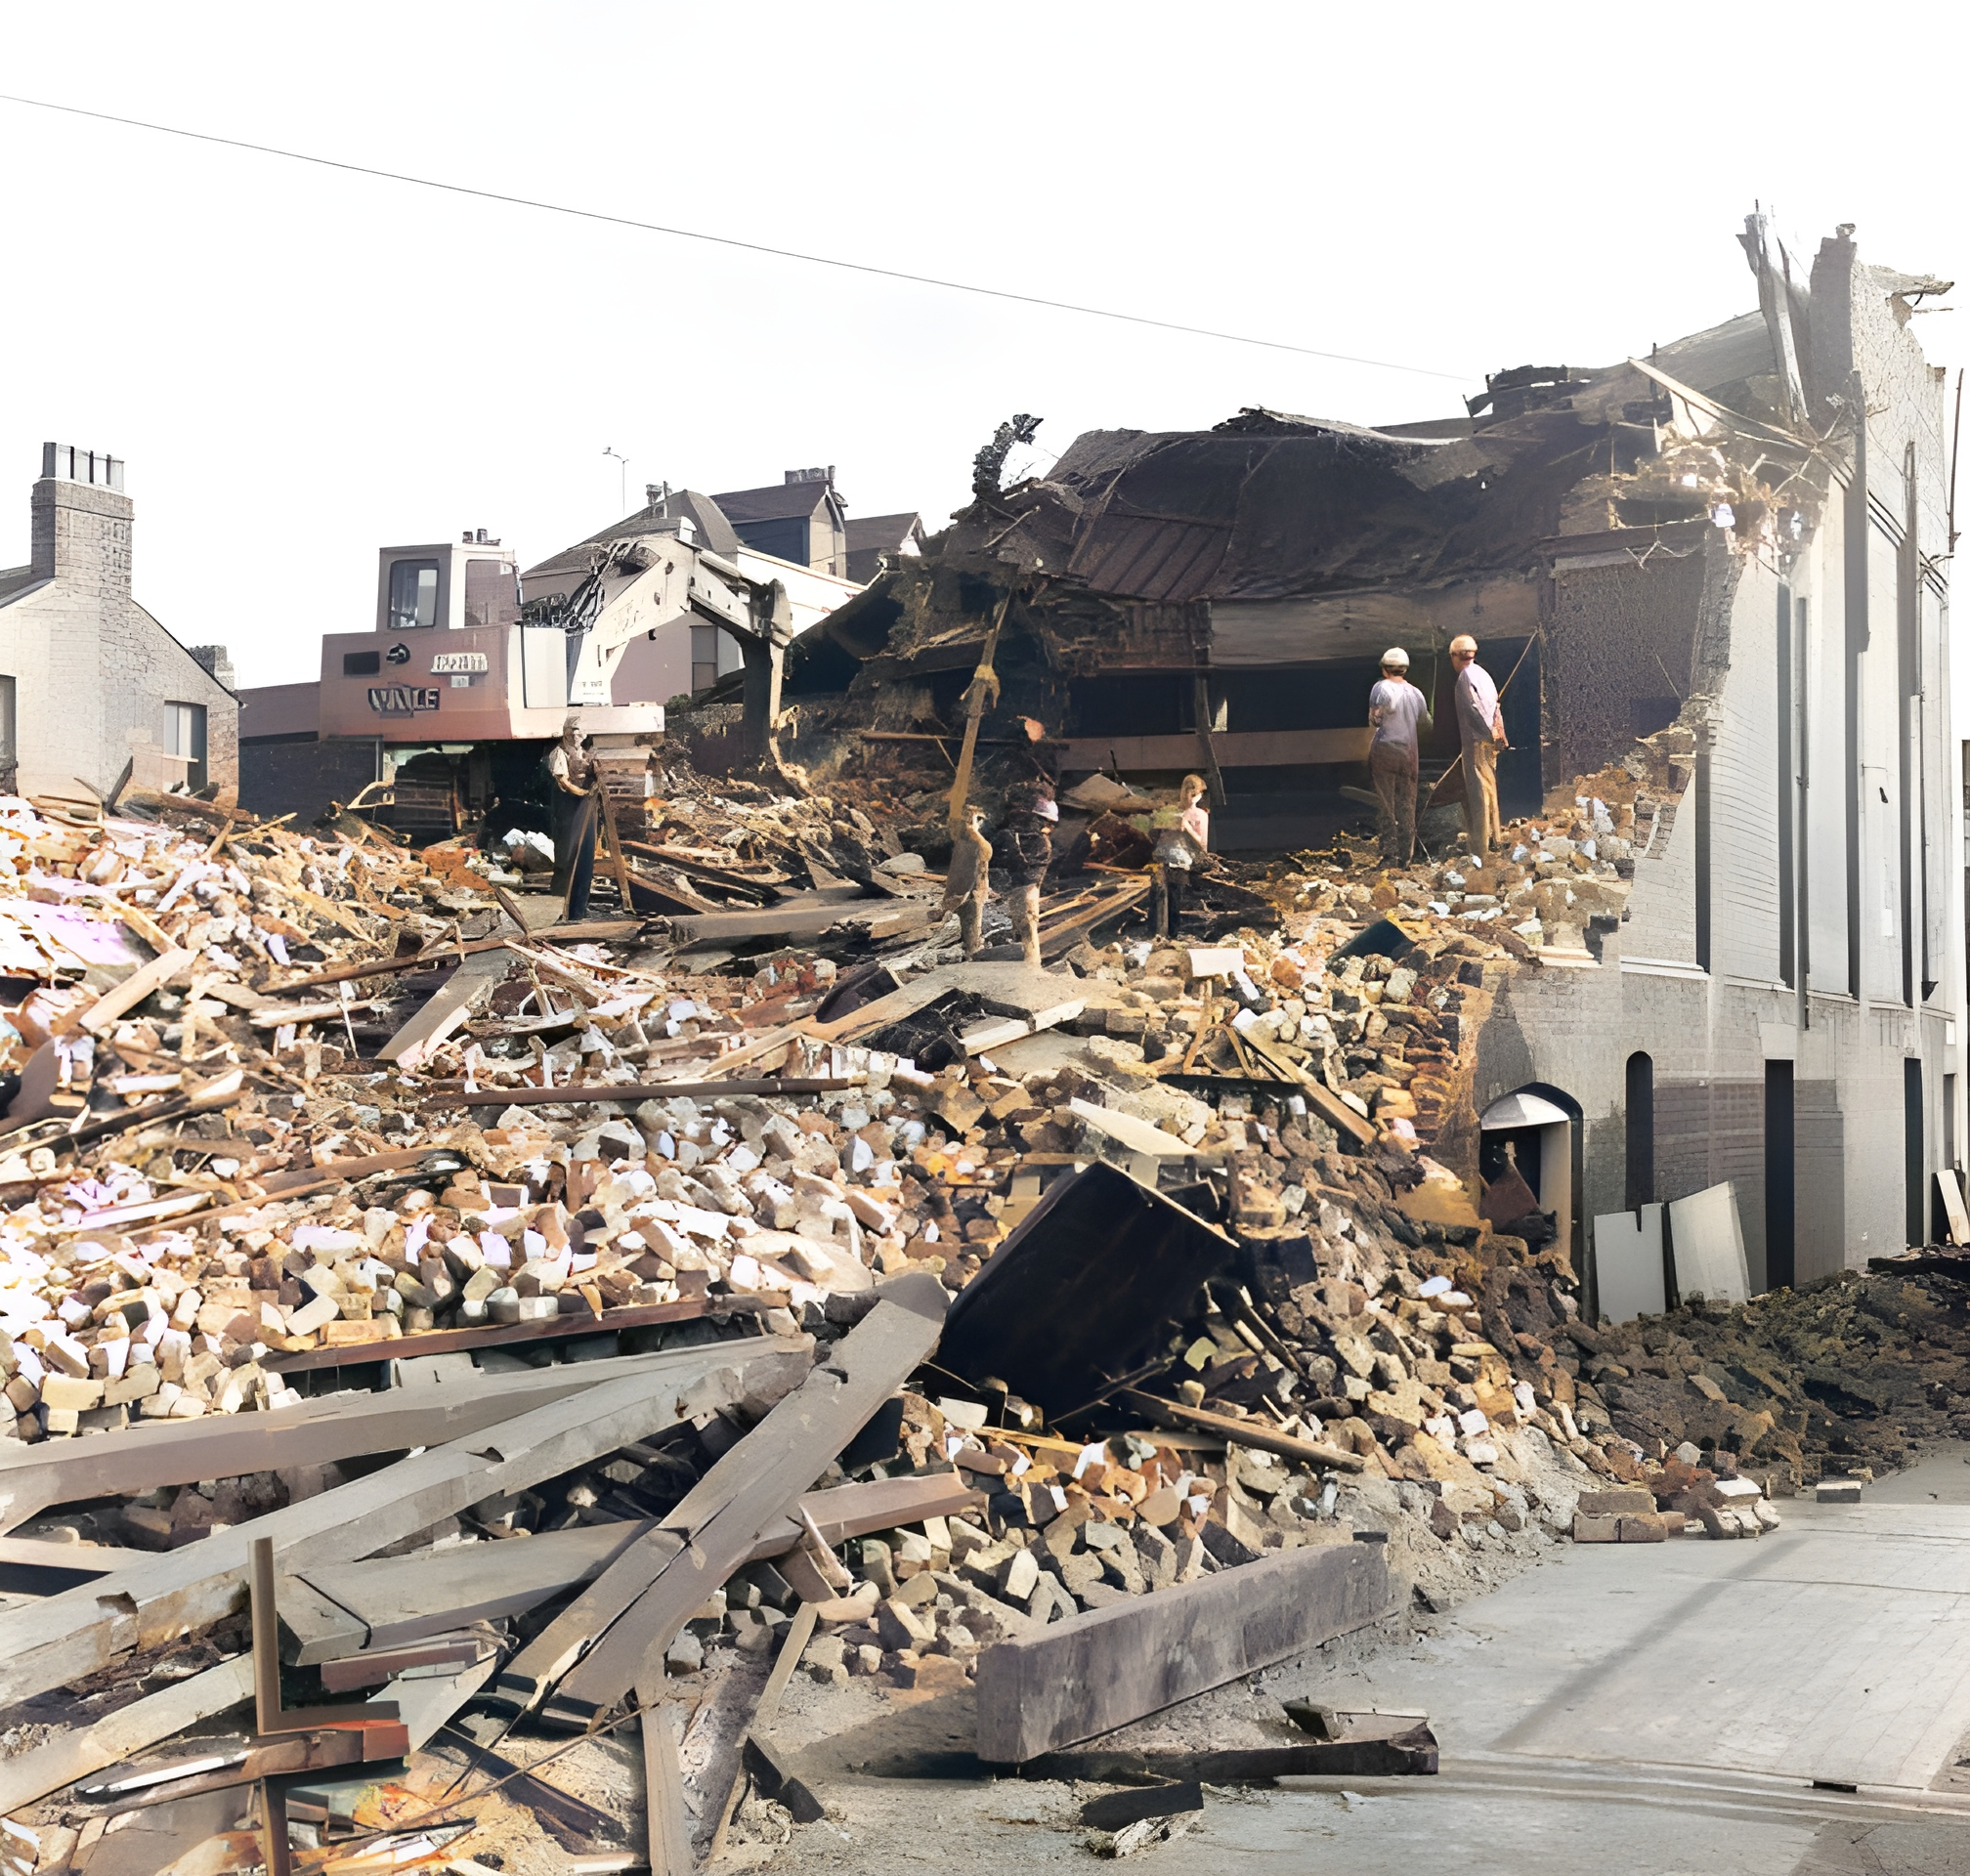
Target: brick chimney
x,y
80,520
215,659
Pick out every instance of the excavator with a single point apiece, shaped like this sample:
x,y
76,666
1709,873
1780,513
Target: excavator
x,y
464,682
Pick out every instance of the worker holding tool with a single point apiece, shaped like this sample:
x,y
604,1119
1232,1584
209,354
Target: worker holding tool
x,y
1480,724
1396,709
1024,851
1179,847
571,771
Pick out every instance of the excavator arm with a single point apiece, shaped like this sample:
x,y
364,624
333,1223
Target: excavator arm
x,y
641,584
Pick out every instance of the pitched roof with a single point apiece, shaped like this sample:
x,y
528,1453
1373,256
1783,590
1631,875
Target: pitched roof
x,y
778,502
885,532
702,511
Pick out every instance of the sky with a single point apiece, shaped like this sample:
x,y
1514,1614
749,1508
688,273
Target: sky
x,y
300,364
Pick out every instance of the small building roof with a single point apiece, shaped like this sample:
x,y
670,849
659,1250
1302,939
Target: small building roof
x,y
778,502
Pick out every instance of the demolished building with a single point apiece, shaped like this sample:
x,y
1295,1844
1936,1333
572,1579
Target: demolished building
x,y
1715,577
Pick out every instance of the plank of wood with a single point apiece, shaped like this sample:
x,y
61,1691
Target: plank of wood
x,y
372,1666
133,990
800,1632
45,1554
1130,1131
602,930
1207,747
74,1753
467,987
363,1165
1245,1432
666,1820
500,1335
651,1590
428,1702
1093,1671
332,1426
73,1633
395,1601
796,919
630,1093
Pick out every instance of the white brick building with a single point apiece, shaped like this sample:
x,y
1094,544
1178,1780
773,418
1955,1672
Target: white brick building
x,y
90,682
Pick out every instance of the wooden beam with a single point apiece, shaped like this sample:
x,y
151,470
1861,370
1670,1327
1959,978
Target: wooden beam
x,y
983,678
73,1633
666,1820
630,1093
1093,1671
502,1335
133,990
179,1452
600,930
1200,697
1244,1432
793,919
395,1602
449,1005
644,1598
73,1754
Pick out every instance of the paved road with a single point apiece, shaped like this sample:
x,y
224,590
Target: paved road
x,y
1789,1707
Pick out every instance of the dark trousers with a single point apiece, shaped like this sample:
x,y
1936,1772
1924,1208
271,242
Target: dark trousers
x,y
1167,898
573,849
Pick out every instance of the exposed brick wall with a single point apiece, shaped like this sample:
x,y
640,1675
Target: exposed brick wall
x,y
1615,635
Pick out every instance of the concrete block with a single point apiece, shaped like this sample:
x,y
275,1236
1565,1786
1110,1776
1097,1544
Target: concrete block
x,y
1590,1528
1089,1673
1615,1500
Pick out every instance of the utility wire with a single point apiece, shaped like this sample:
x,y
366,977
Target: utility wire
x,y
727,240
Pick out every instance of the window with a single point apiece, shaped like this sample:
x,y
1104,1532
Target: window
x,y
704,658
1641,1130
413,594
362,663
492,594
185,735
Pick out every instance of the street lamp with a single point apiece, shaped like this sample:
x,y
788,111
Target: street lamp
x,y
622,477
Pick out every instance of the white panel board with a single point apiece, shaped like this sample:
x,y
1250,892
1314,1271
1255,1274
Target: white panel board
x,y
1708,1244
1628,1263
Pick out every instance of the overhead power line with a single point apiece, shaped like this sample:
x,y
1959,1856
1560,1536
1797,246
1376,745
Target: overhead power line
x,y
728,241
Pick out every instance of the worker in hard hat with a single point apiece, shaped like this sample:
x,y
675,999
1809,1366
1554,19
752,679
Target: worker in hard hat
x,y
1398,711
1481,723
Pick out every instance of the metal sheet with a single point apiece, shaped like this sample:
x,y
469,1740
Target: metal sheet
x,y
1083,1291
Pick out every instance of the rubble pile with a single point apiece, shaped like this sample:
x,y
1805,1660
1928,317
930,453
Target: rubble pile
x,y
236,1189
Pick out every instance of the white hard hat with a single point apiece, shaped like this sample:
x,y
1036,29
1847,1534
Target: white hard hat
x,y
1396,659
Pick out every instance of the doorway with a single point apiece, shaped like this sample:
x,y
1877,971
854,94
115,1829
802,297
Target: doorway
x,y
1529,1133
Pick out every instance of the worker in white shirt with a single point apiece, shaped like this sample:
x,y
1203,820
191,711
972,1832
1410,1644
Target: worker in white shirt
x,y
1481,723
1397,709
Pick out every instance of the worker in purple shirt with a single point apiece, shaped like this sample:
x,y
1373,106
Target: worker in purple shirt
x,y
1395,709
1481,723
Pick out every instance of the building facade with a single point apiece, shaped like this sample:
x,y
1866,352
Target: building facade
x,y
1712,581
91,684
